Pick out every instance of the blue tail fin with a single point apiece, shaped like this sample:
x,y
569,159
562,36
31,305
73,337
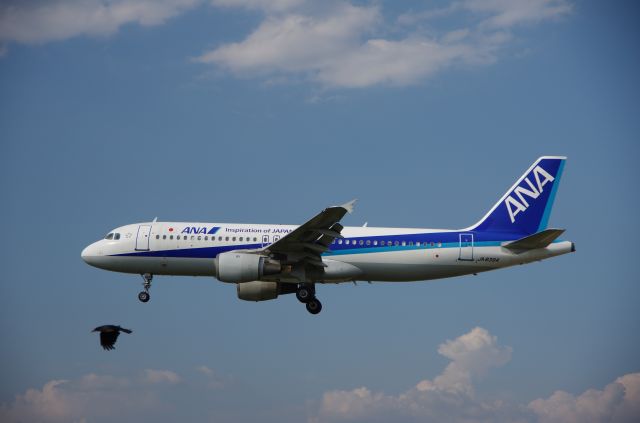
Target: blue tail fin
x,y
526,207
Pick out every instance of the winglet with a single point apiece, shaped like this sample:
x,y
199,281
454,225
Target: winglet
x,y
349,206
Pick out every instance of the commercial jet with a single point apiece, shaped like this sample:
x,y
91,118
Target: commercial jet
x,y
265,261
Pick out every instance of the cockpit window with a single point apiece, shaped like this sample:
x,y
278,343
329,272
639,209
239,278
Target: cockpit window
x,y
109,236
116,236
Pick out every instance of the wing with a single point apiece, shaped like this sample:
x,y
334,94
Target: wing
x,y
108,339
308,241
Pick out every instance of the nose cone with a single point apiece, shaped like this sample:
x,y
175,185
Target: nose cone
x,y
90,254
86,253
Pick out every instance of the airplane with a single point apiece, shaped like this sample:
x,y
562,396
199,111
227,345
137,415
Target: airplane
x,y
266,261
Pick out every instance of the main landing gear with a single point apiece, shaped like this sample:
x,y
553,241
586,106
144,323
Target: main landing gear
x,y
306,293
144,295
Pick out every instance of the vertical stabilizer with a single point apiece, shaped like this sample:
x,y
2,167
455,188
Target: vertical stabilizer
x,y
526,207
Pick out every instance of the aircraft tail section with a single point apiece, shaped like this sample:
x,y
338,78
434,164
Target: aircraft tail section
x,y
526,206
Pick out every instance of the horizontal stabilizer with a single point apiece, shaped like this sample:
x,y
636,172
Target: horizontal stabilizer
x,y
537,240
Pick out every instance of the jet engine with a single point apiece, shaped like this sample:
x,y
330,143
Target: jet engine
x,y
242,267
262,291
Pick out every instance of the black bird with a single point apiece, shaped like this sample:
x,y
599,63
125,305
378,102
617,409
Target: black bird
x,y
109,335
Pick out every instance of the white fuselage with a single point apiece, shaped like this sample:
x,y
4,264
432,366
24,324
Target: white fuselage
x,y
379,254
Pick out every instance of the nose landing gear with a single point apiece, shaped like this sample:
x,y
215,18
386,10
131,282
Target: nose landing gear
x,y
306,294
144,295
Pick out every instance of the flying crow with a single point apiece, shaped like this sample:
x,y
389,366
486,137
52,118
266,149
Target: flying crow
x,y
109,335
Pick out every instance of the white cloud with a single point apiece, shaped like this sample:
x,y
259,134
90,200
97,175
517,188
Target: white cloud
x,y
295,42
448,397
269,5
343,45
205,370
508,13
451,395
471,355
160,376
618,402
47,404
43,21
91,397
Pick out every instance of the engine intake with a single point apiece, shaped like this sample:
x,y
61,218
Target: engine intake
x,y
243,267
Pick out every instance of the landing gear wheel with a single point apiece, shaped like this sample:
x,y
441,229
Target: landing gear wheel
x,y
304,294
314,306
144,295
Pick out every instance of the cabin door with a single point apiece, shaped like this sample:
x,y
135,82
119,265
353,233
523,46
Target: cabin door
x,y
466,247
142,240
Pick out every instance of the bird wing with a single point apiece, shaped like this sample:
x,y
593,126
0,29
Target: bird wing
x,y
108,339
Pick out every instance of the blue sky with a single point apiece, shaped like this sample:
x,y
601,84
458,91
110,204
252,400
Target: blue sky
x,y
114,112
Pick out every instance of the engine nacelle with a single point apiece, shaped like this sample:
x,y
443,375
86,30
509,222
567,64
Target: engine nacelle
x,y
258,291
243,267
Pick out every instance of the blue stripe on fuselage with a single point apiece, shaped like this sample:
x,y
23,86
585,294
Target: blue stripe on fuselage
x,y
427,241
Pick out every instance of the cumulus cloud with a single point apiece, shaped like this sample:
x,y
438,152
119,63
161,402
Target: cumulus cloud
x,y
92,397
48,404
343,45
451,395
471,355
618,402
42,21
448,397
295,42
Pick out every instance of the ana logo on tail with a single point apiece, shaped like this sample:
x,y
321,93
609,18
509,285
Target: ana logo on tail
x,y
515,206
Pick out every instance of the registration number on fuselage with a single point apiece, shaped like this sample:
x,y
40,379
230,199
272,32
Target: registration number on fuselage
x,y
487,260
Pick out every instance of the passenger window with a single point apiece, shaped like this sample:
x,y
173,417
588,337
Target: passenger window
x,y
255,239
375,242
361,242
226,238
410,242
432,243
233,239
368,242
164,237
346,242
418,243
396,243
439,244
192,237
157,236
170,236
199,238
339,241
219,238
240,239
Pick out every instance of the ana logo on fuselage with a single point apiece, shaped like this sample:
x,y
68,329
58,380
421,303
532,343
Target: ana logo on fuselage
x,y
199,230
515,206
